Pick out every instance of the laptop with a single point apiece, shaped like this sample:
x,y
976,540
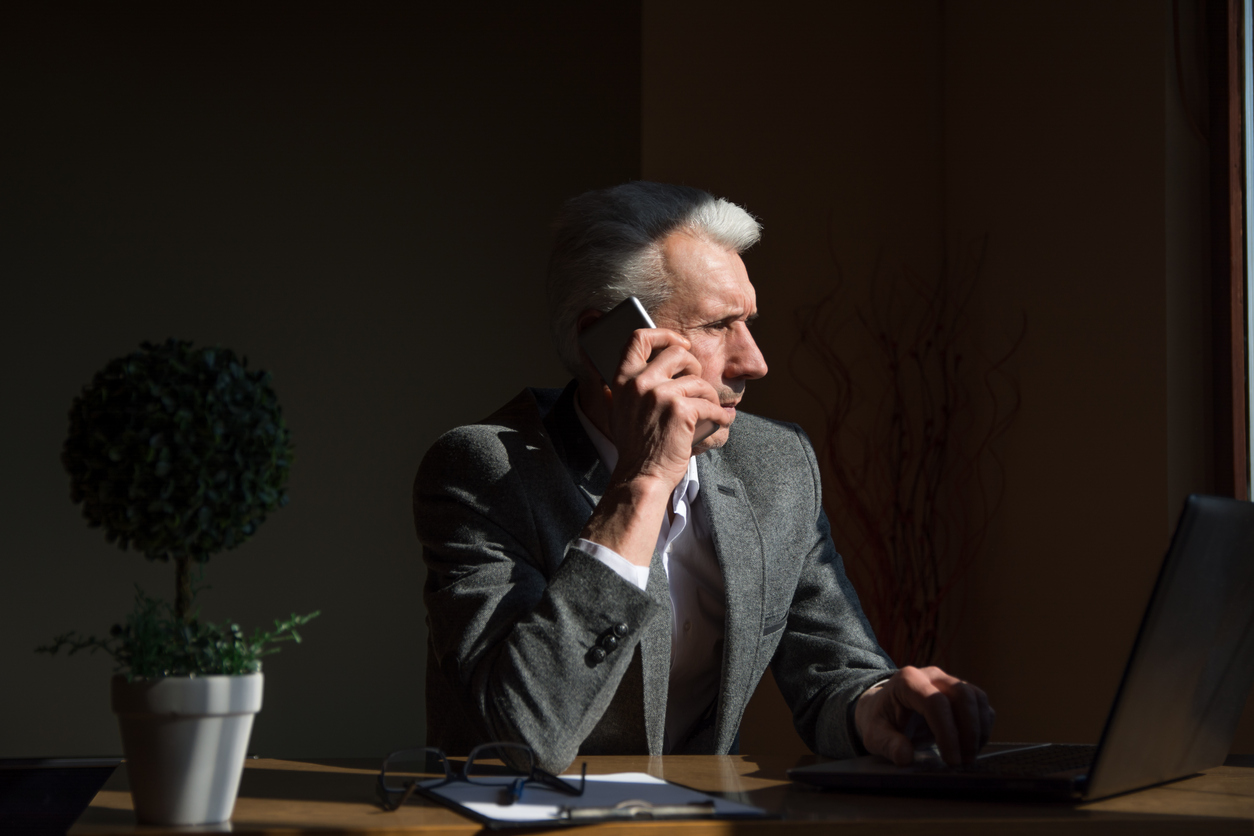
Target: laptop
x,y
1178,704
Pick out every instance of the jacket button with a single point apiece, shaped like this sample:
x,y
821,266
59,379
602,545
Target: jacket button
x,y
597,654
609,642
620,630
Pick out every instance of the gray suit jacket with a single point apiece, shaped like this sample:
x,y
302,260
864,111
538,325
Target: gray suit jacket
x,y
515,614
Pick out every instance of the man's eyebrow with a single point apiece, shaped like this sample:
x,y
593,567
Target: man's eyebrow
x,y
730,318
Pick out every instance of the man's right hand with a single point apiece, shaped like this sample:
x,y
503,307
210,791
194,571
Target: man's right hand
x,y
655,404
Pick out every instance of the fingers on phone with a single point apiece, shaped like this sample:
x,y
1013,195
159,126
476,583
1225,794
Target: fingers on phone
x,y
646,343
669,362
690,401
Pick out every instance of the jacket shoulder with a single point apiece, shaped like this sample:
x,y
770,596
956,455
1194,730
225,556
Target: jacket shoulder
x,y
774,459
486,446
753,436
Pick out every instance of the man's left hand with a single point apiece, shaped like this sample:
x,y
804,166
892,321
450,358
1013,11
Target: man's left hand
x,y
956,712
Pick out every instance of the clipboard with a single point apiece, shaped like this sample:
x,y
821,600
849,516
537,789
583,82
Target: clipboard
x,y
622,796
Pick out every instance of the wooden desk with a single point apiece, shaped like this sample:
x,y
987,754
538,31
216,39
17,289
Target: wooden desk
x,y
289,797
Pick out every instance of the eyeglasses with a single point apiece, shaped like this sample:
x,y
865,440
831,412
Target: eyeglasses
x,y
519,760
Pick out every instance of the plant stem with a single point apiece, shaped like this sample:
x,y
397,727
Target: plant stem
x,y
183,589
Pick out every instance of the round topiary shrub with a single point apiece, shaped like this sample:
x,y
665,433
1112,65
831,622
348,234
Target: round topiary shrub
x,y
178,451
181,453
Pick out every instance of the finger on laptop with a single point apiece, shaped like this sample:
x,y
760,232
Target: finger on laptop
x,y
920,689
964,701
987,717
883,715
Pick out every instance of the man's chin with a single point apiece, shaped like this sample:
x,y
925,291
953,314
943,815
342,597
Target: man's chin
x,y
715,439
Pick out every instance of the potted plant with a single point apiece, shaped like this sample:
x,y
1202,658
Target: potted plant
x,y
180,453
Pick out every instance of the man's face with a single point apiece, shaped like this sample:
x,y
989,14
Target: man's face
x,y
712,304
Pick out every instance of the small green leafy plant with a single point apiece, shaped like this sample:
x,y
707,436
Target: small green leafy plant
x,y
153,642
180,452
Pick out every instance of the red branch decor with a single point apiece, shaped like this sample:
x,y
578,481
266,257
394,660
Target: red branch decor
x,y
909,450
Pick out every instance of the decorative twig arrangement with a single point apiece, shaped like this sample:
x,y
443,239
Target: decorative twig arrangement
x,y
913,474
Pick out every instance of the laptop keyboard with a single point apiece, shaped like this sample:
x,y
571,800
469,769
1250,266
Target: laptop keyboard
x,y
1042,760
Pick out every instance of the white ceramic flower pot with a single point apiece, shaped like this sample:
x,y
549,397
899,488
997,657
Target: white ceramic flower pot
x,y
185,739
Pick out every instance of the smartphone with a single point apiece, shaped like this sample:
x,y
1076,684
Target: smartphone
x,y
605,341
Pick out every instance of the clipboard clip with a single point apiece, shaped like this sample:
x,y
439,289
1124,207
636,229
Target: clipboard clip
x,y
635,808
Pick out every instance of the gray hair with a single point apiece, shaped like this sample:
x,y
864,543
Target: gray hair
x,y
608,246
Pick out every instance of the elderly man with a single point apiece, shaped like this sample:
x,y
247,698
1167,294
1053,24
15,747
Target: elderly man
x,y
598,584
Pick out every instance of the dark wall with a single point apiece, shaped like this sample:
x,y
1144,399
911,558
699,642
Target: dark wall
x,y
357,199
866,135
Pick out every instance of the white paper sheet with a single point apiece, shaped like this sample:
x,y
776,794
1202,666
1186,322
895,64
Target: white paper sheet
x,y
540,804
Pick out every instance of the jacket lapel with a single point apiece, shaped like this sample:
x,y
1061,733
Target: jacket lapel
x,y
655,656
575,449
738,546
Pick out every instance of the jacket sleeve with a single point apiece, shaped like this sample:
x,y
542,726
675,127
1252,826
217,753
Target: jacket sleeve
x,y
828,655
517,619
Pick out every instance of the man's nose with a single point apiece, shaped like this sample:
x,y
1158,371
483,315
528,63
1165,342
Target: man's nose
x,y
744,359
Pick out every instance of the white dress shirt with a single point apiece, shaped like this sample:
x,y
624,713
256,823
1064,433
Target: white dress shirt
x,y
697,594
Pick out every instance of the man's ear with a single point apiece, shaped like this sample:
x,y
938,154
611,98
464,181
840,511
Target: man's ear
x,y
585,319
590,375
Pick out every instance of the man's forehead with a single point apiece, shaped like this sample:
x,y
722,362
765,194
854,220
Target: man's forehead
x,y
709,299
708,276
